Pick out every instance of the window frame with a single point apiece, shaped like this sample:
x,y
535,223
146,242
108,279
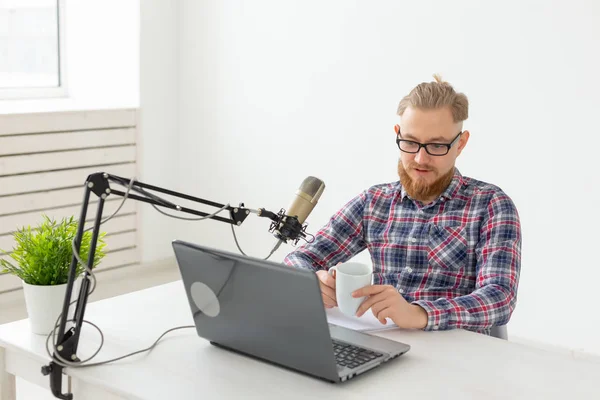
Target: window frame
x,y
46,92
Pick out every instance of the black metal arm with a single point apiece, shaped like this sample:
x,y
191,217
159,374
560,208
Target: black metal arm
x,y
98,183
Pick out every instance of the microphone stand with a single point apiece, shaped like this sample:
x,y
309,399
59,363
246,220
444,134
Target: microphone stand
x,y
285,227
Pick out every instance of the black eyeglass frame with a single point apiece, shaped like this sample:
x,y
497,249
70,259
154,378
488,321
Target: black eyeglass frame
x,y
424,145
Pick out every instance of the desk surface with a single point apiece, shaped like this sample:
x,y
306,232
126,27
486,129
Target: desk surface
x,y
450,364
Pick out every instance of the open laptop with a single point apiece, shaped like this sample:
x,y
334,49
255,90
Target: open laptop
x,y
275,313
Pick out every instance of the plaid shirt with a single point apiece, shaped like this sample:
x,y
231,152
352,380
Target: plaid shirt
x,y
458,257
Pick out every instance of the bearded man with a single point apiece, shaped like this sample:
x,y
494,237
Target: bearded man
x,y
445,248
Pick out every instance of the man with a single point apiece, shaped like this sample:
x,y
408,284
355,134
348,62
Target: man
x,y
445,249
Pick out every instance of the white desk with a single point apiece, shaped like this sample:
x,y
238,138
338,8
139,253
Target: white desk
x,y
451,365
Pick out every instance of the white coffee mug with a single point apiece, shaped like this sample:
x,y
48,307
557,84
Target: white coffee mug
x,y
349,277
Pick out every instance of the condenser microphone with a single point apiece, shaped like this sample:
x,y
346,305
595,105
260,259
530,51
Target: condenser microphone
x,y
289,226
307,196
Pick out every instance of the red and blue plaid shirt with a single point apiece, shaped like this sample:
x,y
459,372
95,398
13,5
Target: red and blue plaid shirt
x,y
458,257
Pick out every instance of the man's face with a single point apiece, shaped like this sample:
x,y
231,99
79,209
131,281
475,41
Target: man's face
x,y
426,176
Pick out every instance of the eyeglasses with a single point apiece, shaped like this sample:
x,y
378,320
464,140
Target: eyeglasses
x,y
434,149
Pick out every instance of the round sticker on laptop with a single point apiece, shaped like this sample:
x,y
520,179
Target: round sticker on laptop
x,y
205,299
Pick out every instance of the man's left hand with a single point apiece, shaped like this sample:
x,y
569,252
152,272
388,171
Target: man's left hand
x,y
386,302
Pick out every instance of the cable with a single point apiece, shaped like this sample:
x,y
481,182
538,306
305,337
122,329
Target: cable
x,y
56,357
192,218
81,364
76,252
241,251
308,234
92,277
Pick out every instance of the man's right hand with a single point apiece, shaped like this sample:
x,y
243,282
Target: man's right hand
x,y
327,285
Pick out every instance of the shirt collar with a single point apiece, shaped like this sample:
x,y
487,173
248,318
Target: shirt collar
x,y
454,186
451,191
403,193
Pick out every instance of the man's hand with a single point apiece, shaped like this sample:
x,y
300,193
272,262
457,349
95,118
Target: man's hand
x,y
327,285
385,302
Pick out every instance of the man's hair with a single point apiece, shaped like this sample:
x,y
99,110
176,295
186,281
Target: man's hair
x,y
434,95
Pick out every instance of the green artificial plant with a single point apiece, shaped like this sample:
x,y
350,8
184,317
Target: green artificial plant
x,y
42,255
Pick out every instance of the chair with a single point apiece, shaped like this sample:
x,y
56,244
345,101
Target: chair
x,y
499,332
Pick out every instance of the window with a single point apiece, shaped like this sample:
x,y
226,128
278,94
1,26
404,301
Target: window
x,y
31,44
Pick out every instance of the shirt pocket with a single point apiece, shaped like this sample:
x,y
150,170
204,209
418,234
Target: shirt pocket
x,y
448,247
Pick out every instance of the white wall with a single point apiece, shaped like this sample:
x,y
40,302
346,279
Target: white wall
x,y
271,92
158,118
103,52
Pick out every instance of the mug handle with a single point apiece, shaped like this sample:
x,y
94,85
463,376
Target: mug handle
x,y
332,270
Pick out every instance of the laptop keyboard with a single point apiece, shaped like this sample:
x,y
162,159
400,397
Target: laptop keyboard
x,y
351,356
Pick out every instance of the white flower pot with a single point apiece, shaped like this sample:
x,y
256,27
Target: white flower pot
x,y
44,305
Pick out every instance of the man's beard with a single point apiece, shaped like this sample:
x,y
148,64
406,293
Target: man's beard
x,y
419,189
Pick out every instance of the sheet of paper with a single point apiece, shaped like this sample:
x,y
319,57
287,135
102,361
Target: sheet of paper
x,y
366,323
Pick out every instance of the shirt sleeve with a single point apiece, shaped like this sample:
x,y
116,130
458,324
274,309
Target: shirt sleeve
x,y
498,267
339,240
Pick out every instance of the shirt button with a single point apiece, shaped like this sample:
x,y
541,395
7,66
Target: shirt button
x,y
436,327
401,290
412,239
409,269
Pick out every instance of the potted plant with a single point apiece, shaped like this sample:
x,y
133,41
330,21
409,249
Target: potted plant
x,y
41,258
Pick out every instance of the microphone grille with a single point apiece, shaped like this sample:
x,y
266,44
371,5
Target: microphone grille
x,y
312,186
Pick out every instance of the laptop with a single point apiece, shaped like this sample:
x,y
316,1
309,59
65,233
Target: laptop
x,y
274,313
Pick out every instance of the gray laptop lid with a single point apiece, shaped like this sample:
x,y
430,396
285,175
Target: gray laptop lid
x,y
257,307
